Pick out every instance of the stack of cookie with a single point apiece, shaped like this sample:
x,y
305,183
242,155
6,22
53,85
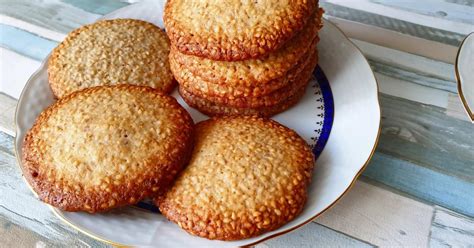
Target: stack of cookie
x,y
115,137
242,58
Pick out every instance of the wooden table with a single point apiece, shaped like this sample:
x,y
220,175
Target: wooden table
x,y
418,190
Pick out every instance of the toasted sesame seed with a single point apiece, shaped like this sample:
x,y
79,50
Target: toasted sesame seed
x,y
228,197
98,181
119,47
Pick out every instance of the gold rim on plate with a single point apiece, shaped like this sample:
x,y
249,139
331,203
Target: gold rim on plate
x,y
470,113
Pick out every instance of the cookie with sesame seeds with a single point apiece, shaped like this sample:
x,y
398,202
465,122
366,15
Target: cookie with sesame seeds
x,y
110,52
234,30
294,83
214,109
251,89
105,147
246,176
260,71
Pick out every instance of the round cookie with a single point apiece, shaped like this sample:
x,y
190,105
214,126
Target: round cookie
x,y
213,109
246,176
109,52
105,147
295,82
234,30
254,71
199,85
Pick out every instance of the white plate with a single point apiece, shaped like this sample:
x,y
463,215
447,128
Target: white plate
x,y
343,96
465,74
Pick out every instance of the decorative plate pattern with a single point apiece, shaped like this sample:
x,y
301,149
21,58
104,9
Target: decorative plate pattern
x,y
325,108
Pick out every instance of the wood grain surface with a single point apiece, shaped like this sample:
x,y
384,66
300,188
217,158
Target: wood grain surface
x,y
433,30
380,217
450,229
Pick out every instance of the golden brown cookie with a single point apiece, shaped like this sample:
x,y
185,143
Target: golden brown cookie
x,y
213,109
258,71
105,147
234,30
246,176
109,52
196,84
295,82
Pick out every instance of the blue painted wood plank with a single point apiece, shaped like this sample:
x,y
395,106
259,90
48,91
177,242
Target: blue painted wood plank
x,y
97,7
436,8
413,76
426,136
425,153
393,24
25,43
6,144
52,15
429,185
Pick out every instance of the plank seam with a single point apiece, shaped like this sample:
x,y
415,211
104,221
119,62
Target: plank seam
x,y
345,234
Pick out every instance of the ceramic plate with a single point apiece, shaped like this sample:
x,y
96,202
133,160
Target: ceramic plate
x,y
465,74
339,116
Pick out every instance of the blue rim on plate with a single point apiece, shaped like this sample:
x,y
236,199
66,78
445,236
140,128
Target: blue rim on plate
x,y
326,103
328,114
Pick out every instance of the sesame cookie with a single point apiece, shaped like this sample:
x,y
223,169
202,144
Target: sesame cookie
x,y
198,85
213,109
105,147
295,82
246,176
109,52
234,30
254,71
